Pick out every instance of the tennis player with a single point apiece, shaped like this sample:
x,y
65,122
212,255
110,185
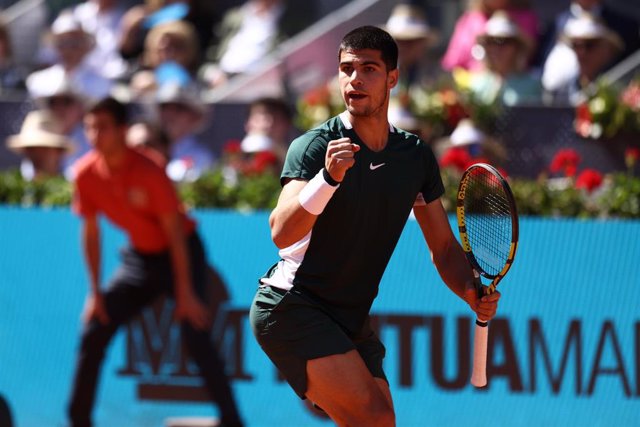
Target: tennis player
x,y
348,188
165,256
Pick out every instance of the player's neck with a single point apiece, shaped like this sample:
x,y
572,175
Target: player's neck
x,y
372,130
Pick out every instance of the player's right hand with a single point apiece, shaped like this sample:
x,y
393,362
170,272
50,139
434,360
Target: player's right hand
x,y
340,157
95,309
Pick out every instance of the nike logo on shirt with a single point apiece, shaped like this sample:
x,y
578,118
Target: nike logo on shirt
x,y
374,167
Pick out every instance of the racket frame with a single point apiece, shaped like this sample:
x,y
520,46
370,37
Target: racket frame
x,y
478,377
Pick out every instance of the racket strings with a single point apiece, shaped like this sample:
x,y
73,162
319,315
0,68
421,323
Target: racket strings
x,y
488,222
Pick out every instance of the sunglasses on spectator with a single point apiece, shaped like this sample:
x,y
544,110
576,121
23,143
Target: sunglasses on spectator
x,y
587,44
175,106
60,101
499,41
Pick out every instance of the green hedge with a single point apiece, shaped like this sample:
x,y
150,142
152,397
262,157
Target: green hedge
x,y
617,197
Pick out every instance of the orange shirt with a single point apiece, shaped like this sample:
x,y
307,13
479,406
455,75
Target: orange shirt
x,y
132,197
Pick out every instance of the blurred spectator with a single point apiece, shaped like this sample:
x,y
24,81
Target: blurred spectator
x,y
173,43
42,144
462,51
468,144
182,113
149,137
72,44
411,31
269,127
12,76
250,32
409,27
103,19
140,18
67,106
560,65
595,47
505,77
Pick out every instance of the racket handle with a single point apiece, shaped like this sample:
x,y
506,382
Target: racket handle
x,y
479,373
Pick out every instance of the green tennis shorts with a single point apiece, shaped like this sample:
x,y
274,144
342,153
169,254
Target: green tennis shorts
x,y
291,329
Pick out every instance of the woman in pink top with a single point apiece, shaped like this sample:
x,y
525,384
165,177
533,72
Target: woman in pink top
x,y
462,51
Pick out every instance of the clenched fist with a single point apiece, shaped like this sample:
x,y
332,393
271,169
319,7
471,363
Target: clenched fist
x,y
340,157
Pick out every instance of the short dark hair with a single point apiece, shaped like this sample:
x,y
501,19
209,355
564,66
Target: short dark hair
x,y
113,107
370,37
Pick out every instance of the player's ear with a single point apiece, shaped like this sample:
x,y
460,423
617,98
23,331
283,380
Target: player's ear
x,y
392,78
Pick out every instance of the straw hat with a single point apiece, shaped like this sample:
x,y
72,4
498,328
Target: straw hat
x,y
39,129
587,27
407,22
501,26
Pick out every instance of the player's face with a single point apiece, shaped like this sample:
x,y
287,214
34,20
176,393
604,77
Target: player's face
x,y
103,133
365,83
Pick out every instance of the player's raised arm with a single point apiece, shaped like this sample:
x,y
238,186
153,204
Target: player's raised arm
x,y
301,201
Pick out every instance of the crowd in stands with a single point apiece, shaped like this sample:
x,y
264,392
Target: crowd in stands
x,y
163,54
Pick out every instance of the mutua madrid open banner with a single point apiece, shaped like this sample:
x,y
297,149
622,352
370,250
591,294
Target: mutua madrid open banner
x,y
564,350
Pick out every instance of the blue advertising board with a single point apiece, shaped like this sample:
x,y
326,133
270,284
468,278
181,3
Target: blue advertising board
x,y
564,349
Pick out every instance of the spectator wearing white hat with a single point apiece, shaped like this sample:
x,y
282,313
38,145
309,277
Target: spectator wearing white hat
x,y
595,47
462,52
67,106
42,144
408,25
469,137
181,113
557,59
103,20
72,44
505,52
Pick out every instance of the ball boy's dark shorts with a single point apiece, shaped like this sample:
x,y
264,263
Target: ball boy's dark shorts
x,y
291,329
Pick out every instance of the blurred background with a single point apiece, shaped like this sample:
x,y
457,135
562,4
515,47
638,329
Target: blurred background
x,y
546,90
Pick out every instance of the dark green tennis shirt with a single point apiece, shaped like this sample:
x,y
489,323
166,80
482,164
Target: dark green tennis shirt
x,y
354,237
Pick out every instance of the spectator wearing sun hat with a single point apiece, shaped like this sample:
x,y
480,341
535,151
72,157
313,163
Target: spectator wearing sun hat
x,y
505,77
72,44
408,25
559,61
67,106
181,113
595,47
462,51
42,145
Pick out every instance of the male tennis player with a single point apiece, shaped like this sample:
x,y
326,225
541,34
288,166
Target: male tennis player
x,y
165,256
348,188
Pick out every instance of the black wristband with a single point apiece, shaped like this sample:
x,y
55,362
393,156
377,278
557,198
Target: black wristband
x,y
327,177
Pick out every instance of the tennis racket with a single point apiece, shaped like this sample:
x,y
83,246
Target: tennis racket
x,y
488,227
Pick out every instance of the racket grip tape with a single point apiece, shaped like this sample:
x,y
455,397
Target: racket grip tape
x,y
479,373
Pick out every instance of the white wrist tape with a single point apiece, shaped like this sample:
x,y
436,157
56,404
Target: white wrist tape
x,y
316,194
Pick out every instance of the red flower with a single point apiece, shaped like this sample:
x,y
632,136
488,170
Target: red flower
x,y
456,157
631,96
565,160
232,146
318,96
584,120
631,156
589,179
260,162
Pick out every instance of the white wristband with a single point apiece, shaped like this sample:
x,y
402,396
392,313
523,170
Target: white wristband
x,y
316,194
